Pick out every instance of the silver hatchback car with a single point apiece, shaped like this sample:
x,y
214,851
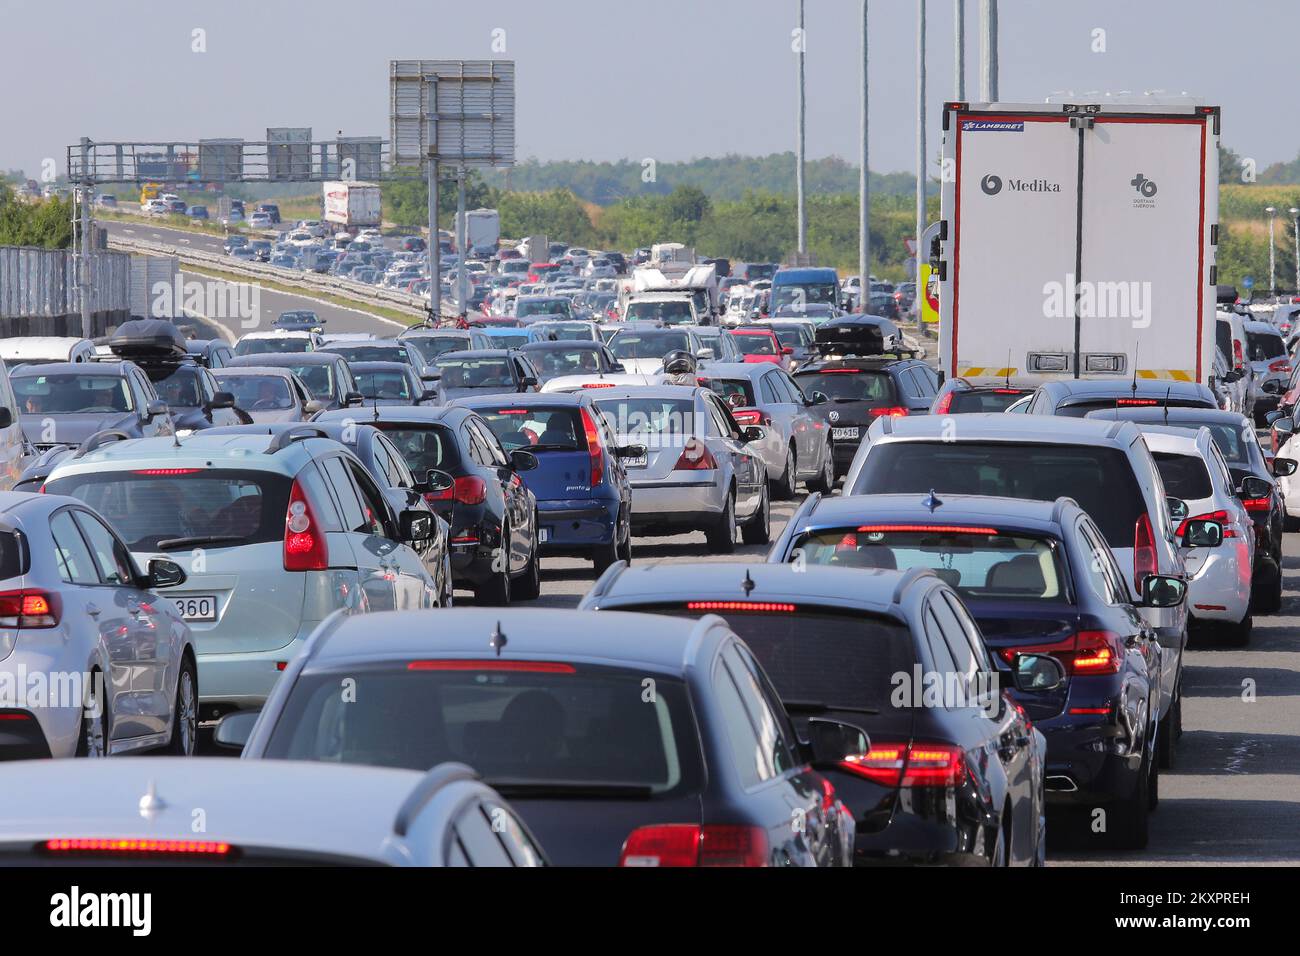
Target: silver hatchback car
x,y
92,661
701,470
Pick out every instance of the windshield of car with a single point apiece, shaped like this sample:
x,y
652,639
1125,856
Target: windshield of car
x,y
651,417
475,373
648,345
975,563
787,296
185,507
386,385
1184,476
180,389
319,379
257,393
737,392
431,346
849,385
550,429
71,394
557,722
754,344
370,353
512,340
527,307
792,338
983,400
575,332
669,312
287,343
573,361
1100,479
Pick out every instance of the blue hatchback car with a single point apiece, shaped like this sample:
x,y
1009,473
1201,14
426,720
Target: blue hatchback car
x,y
1039,579
584,498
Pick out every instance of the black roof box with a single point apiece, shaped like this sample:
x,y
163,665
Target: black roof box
x,y
1226,294
154,338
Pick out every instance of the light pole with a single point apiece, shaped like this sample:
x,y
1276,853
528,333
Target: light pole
x,y
920,137
864,183
802,228
989,51
1272,261
959,48
1295,231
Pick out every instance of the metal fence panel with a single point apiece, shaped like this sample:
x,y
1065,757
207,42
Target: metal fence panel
x,y
37,282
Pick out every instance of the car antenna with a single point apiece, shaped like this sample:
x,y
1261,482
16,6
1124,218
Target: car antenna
x,y
1133,389
1008,369
747,585
1168,391
931,501
498,639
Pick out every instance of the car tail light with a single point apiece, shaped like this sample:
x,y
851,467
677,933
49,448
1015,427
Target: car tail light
x,y
1144,552
304,539
695,457
685,844
1135,402
598,385
29,607
928,528
1253,504
891,411
1281,365
594,451
945,403
525,667
766,607
1237,359
750,416
165,471
136,846
1082,654
1219,516
909,765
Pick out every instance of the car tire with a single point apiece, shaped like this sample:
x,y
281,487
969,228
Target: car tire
x,y
758,529
496,591
185,711
627,542
825,482
1238,635
529,587
1130,818
1165,740
92,736
721,536
603,555
998,855
783,487
1153,787
1270,595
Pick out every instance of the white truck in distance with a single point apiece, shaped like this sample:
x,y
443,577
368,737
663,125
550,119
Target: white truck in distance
x,y
352,205
482,231
1078,240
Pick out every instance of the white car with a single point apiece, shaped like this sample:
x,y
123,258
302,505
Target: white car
x,y
1193,471
157,207
577,383
259,220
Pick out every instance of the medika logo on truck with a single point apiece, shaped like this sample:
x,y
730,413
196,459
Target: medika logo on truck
x,y
992,185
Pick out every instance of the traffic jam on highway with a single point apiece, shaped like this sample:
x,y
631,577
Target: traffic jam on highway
x,y
646,558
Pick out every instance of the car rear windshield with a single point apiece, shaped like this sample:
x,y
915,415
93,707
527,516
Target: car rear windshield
x,y
548,722
371,353
180,389
738,392
543,307
174,509
975,563
319,379
423,446
753,344
536,428
475,373
256,393
431,346
841,660
566,361
272,345
1080,409
648,345
849,385
71,394
662,311
1264,346
649,417
1185,476
984,400
385,385
1100,479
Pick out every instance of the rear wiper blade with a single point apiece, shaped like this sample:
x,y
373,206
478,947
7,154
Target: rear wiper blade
x,y
821,707
509,787
166,543
551,447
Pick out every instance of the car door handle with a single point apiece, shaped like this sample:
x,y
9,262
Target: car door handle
x,y
92,610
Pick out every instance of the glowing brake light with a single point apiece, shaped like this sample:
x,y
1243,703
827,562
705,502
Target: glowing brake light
x,y
687,844
1081,654
519,667
1281,365
29,608
909,765
760,606
594,451
1144,552
166,471
304,539
750,416
1220,516
891,411
945,403
598,385
1135,402
138,846
1254,504
928,528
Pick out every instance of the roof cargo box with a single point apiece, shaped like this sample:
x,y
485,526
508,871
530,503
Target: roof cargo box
x,y
153,338
1226,294
856,336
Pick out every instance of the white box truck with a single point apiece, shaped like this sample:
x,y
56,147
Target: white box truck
x,y
482,231
1078,239
352,205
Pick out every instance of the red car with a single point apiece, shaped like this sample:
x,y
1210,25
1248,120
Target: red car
x,y
761,345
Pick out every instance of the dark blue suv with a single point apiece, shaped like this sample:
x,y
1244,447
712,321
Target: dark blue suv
x,y
1039,579
584,499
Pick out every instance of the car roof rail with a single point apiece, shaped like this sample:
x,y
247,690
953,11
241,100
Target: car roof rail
x,y
1058,509
98,440
910,577
425,789
296,434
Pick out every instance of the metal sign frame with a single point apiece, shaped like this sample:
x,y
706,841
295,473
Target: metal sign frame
x,y
458,112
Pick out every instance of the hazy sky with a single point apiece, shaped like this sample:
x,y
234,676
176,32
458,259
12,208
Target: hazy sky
x,y
609,79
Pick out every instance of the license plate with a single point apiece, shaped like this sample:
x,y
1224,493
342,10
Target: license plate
x,y
637,462
543,535
838,433
197,607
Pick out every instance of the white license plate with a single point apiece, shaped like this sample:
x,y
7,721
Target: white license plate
x,y
197,607
838,433
637,462
543,535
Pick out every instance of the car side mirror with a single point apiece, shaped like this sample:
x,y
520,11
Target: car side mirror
x,y
314,407
1201,533
1252,487
631,451
753,433
819,398
234,729
428,395
704,354
1177,507
1038,672
787,350
529,381
437,481
1284,467
1163,590
831,742
1232,375
1272,387
164,573
618,368
521,460
154,409
354,398
222,400
1271,418
415,525
6,416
